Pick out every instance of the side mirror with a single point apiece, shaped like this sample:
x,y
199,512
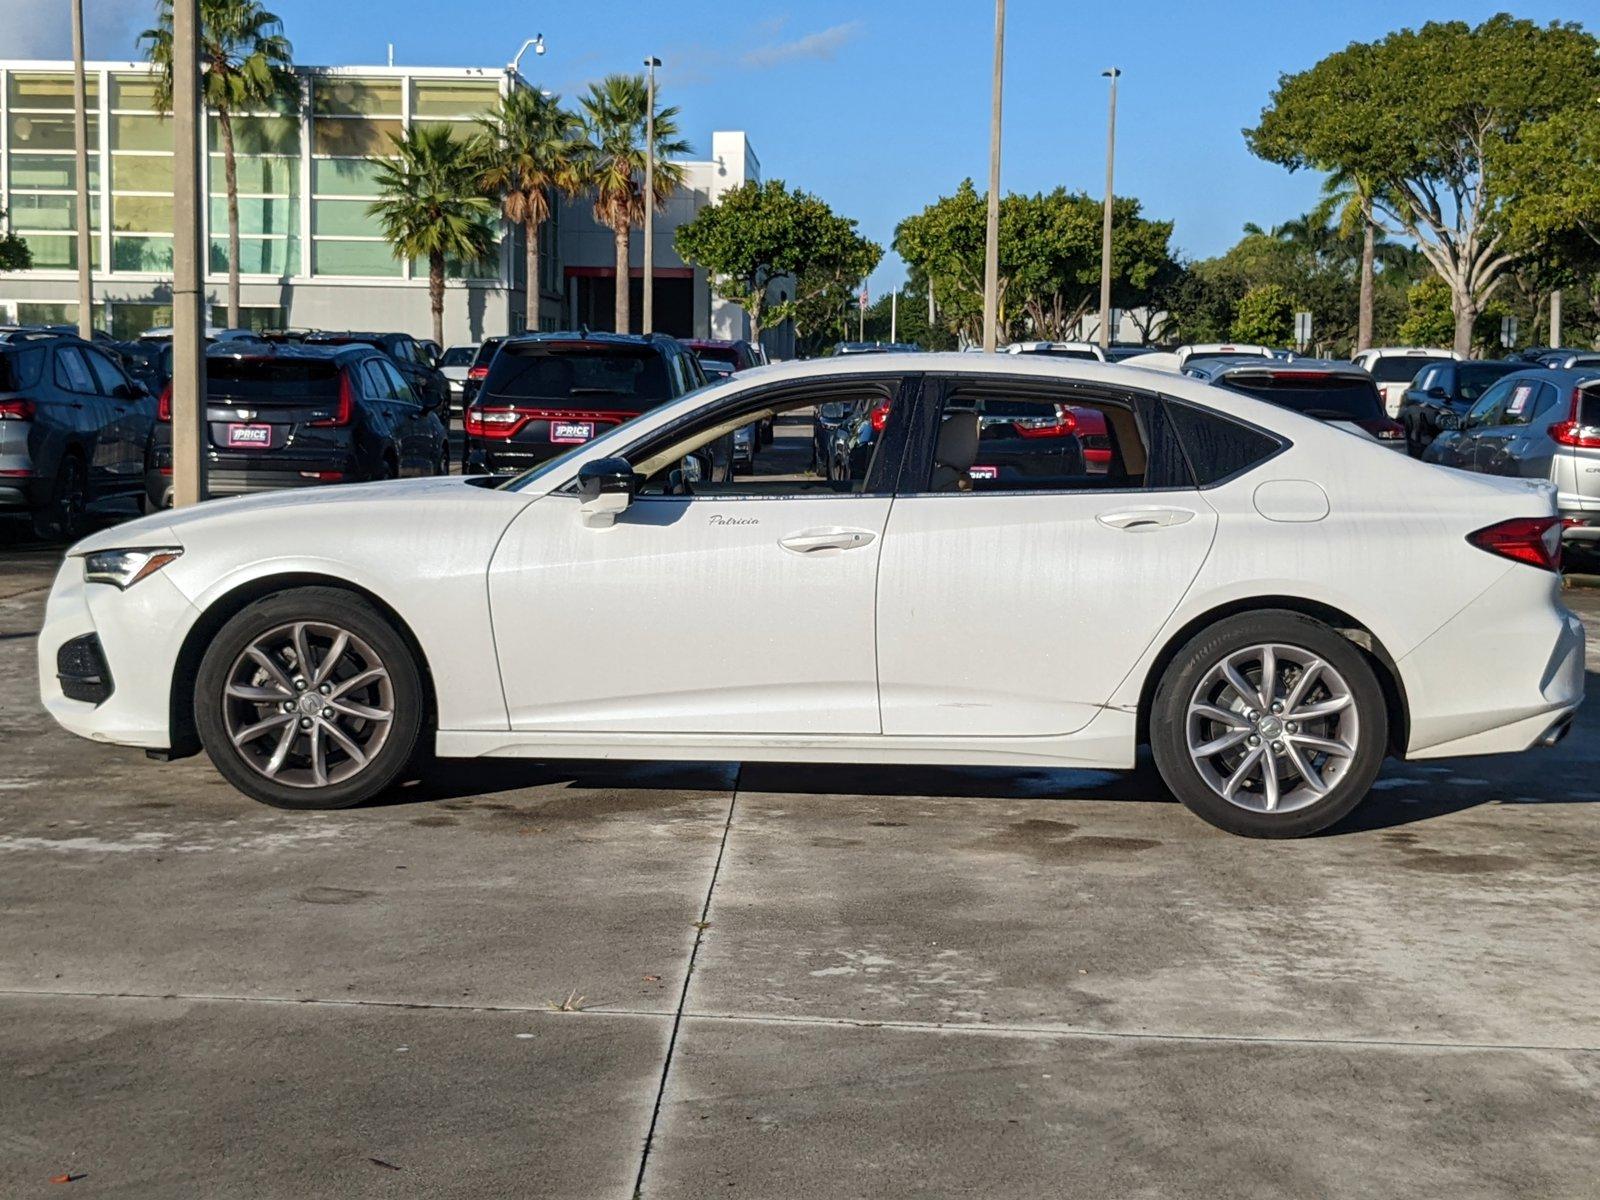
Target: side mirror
x,y
606,487
1438,393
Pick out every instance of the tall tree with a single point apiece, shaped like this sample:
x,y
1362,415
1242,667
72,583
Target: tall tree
x,y
246,60
14,252
529,152
1265,316
614,122
1347,203
760,233
1420,115
432,207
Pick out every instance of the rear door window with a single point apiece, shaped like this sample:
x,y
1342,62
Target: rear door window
x,y
72,372
399,387
108,374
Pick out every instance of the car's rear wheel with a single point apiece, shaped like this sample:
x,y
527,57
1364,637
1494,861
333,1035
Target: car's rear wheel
x,y
1269,724
64,511
310,699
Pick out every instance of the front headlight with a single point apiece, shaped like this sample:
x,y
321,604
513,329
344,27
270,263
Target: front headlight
x,y
124,568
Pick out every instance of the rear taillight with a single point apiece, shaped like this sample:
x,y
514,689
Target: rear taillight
x,y
1532,540
1061,425
477,372
879,417
347,404
16,410
499,423
164,405
1573,432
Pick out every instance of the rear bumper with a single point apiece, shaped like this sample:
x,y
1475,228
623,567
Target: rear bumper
x,y
485,456
1498,676
231,477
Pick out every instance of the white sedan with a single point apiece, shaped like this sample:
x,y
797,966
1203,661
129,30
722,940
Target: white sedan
x,y
1039,563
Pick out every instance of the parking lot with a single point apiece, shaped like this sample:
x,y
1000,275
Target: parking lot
x,y
576,980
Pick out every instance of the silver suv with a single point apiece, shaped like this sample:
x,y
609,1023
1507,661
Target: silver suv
x,y
1536,424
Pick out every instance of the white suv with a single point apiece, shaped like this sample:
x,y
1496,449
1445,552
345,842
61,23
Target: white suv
x,y
1394,367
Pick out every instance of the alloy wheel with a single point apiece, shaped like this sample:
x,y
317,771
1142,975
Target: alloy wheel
x,y
1272,728
308,704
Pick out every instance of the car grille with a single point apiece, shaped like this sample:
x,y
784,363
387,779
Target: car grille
x,y
81,668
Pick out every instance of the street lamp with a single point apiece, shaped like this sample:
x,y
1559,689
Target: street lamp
x,y
991,239
80,146
648,317
1105,221
188,294
536,43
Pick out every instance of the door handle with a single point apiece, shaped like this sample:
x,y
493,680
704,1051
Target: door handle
x,y
814,540
1140,520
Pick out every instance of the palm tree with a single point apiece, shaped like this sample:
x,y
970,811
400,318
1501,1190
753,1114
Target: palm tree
x,y
1347,199
432,207
528,151
614,122
246,60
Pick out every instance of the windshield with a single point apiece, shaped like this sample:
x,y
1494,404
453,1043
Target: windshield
x,y
1401,368
1473,378
613,377
1315,393
458,356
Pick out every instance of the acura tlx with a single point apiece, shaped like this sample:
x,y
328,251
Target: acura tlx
x,y
1272,604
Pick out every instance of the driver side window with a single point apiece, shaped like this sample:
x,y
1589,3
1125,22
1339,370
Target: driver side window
x,y
1483,412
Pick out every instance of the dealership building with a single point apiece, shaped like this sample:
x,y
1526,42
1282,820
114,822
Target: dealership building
x,y
310,255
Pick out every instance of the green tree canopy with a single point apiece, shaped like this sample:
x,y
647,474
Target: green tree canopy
x,y
1049,259
432,206
760,233
1420,116
1265,316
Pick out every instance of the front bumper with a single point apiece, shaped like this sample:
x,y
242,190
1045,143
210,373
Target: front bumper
x,y
138,633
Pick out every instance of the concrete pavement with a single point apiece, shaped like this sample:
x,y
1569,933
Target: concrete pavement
x,y
569,980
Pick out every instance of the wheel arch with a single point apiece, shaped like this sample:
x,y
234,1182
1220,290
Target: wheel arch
x,y
185,737
1352,629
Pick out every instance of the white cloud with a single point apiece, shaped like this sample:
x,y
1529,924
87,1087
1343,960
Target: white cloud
x,y
43,28
823,44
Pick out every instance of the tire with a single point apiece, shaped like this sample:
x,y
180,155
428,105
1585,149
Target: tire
x,y
269,625
1343,691
63,513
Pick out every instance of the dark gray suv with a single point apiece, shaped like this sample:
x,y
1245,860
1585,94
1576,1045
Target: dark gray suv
x,y
74,430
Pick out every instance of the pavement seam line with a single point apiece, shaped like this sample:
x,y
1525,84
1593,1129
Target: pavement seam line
x,y
1024,1032
683,995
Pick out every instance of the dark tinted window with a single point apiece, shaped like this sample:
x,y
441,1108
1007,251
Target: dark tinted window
x,y
1473,379
626,377
1315,393
486,352
726,354
1401,368
21,367
263,380
400,386
108,374
1216,446
458,356
1589,406
1061,352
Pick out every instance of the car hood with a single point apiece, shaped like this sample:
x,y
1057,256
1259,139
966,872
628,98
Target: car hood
x,y
169,527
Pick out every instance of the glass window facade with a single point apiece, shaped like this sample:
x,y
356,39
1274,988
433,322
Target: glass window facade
x,y
305,170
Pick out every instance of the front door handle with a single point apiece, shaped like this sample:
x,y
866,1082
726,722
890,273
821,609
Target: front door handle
x,y
813,541
1141,520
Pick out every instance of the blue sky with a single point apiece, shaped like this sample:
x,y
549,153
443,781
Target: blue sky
x,y
880,107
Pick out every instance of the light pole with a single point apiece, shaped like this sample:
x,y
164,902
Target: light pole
x,y
188,296
648,316
991,237
1105,221
80,145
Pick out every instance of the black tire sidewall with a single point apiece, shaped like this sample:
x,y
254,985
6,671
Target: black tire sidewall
x,y
1169,711
349,611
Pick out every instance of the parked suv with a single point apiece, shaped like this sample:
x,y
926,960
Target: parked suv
x,y
1339,393
298,416
73,429
417,364
548,392
1537,424
1394,367
1442,394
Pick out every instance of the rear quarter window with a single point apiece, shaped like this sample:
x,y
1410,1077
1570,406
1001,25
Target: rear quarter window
x,y
1218,447
21,368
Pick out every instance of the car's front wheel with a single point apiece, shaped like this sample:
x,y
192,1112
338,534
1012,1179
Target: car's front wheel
x,y
310,699
1269,724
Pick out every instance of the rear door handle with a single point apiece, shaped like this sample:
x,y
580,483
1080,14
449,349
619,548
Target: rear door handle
x,y
1141,520
813,541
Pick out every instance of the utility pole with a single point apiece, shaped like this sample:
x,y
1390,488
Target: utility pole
x,y
1555,319
991,237
188,295
649,315
1105,220
80,139
894,315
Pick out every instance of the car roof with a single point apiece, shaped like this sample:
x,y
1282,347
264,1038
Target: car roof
x,y
1406,352
658,341
290,350
1218,367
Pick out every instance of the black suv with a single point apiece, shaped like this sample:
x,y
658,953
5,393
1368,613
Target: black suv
x,y
74,429
417,364
548,392
298,416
